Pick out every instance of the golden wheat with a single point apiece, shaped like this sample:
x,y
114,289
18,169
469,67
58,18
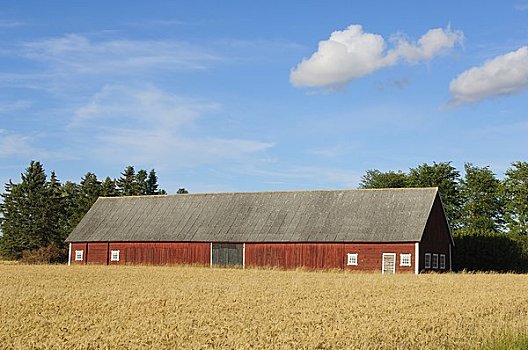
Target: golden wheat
x,y
105,307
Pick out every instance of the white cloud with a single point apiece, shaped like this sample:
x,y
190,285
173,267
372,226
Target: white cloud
x,y
353,53
17,105
79,54
17,145
504,75
302,176
151,125
10,24
145,106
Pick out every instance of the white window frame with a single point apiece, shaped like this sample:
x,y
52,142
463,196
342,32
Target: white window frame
x,y
427,260
352,259
435,261
442,261
79,254
114,255
407,258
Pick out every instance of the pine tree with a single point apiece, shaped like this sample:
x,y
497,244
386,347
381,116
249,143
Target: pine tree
x,y
127,184
108,188
152,183
56,216
89,191
141,181
70,200
25,223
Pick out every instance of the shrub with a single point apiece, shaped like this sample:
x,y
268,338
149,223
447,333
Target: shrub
x,y
490,251
44,255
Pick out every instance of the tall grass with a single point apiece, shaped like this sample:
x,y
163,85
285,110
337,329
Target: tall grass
x,y
107,307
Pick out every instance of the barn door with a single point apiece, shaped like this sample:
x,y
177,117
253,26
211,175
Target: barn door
x,y
227,254
388,264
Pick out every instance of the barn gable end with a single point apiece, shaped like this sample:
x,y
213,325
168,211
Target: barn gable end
x,y
437,239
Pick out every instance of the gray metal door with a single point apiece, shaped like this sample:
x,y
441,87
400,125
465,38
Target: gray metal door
x,y
228,254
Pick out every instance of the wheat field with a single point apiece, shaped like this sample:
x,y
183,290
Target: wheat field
x,y
183,307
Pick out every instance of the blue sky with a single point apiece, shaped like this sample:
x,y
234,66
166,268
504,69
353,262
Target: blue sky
x,y
238,96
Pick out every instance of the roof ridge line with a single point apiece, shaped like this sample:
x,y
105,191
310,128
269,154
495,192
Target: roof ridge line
x,y
270,192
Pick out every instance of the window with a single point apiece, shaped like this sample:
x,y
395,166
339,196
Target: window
x,y
435,261
78,255
352,259
114,255
405,259
427,260
442,261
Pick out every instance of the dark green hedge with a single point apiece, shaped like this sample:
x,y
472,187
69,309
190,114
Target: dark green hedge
x,y
489,251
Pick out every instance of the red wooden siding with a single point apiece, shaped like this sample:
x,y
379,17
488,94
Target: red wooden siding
x,y
155,253
97,253
78,246
436,238
169,253
326,255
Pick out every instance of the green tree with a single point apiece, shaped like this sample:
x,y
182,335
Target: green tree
x,y
516,198
70,202
89,191
374,178
108,188
55,209
141,181
444,176
25,224
181,190
127,184
152,183
480,192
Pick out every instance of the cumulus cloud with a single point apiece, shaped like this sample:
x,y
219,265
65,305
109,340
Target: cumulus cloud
x,y
353,53
504,75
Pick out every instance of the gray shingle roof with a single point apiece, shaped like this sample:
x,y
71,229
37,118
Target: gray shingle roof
x,y
385,215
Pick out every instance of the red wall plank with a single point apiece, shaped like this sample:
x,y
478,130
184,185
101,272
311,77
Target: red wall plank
x,y
326,255
78,246
161,253
97,253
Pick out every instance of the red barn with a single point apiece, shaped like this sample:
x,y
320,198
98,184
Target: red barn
x,y
386,230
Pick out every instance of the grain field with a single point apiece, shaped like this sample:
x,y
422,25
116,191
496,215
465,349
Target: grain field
x,y
139,307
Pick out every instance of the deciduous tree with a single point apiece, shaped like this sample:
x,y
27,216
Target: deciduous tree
x,y
516,198
376,179
480,192
444,176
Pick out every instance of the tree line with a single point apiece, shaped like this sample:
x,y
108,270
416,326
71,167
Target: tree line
x,y
40,211
488,215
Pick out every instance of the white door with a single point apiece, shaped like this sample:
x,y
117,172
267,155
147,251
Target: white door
x,y
388,264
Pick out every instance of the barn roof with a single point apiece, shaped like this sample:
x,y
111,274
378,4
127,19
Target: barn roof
x,y
384,215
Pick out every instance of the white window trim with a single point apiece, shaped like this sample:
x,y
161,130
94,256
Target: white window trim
x,y
114,255
408,257
79,255
427,260
352,259
435,261
442,261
